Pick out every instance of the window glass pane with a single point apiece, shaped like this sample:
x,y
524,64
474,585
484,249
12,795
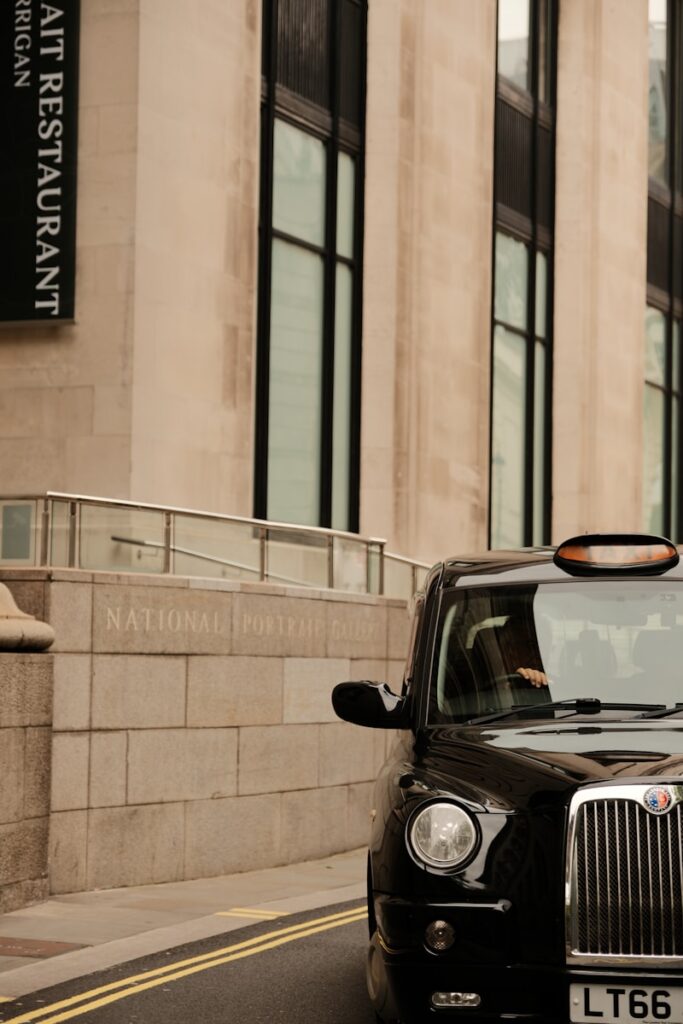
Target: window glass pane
x,y
653,460
658,91
296,318
341,428
511,281
513,41
675,456
345,193
676,357
539,443
508,439
299,184
541,294
655,346
675,425
678,87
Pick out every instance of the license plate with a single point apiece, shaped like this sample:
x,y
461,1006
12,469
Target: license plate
x,y
622,1004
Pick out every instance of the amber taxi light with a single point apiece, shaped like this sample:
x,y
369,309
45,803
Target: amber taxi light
x,y
616,552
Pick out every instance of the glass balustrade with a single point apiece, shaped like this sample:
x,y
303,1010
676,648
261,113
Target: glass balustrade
x,y
71,531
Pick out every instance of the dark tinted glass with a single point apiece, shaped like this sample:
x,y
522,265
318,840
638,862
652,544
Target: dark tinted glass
x,y
617,641
303,36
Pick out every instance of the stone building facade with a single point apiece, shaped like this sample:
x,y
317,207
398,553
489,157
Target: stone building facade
x,y
155,391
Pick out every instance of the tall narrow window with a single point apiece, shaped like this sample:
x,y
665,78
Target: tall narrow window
x,y
308,373
522,289
664,313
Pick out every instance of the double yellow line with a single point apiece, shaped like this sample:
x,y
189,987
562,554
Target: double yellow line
x,y
84,1002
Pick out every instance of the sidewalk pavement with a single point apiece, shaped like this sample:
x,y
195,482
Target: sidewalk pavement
x,y
70,936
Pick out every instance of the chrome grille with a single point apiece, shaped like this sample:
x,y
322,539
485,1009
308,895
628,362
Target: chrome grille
x,y
625,884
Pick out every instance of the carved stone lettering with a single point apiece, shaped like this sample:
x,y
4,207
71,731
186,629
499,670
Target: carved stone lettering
x,y
302,627
164,620
356,631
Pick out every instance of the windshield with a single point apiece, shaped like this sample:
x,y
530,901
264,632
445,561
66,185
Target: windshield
x,y
499,647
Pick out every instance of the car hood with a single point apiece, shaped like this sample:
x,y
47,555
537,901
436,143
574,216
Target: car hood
x,y
507,766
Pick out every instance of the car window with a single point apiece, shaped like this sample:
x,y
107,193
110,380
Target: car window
x,y
617,641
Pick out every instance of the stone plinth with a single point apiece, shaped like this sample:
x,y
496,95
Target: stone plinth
x,y
25,737
193,728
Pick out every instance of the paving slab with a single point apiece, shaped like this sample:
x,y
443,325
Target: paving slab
x,y
103,928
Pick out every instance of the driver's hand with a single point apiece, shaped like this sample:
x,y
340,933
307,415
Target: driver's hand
x,y
534,676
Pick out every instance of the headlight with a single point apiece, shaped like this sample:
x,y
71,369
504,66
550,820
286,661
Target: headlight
x,y
443,835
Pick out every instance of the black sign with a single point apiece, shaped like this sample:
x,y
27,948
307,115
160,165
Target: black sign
x,y
39,118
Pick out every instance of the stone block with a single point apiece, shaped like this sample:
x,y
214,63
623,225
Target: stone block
x,y
313,824
109,61
161,620
37,772
275,758
375,671
237,834
12,746
135,845
70,768
29,595
22,894
277,625
308,684
71,692
356,630
395,673
358,820
234,691
108,752
181,764
398,633
25,689
347,754
68,851
138,691
69,612
23,850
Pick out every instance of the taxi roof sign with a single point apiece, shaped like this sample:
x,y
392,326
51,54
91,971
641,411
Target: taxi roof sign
x,y
593,554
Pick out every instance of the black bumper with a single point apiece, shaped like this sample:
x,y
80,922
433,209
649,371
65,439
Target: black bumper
x,y
515,993
485,961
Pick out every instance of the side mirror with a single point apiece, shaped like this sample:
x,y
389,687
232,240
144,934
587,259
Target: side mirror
x,y
371,704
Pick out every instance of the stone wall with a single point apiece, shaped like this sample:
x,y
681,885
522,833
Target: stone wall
x,y
25,720
167,229
193,730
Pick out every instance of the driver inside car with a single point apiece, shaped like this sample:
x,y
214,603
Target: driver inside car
x,y
521,652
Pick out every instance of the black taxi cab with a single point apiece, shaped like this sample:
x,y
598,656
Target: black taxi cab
x,y
526,854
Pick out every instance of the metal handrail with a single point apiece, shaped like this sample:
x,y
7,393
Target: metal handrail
x,y
266,532
214,559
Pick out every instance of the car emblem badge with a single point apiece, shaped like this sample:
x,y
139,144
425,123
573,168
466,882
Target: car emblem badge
x,y
658,799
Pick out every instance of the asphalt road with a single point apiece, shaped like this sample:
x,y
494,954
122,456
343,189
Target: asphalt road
x,y
302,968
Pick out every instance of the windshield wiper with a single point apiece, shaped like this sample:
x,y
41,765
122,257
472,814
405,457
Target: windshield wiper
x,y
579,705
663,711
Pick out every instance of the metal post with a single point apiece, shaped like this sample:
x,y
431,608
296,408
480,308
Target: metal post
x,y
168,538
73,520
45,532
380,588
263,536
330,562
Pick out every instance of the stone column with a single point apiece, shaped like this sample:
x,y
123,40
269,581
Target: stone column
x,y
600,266
427,298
